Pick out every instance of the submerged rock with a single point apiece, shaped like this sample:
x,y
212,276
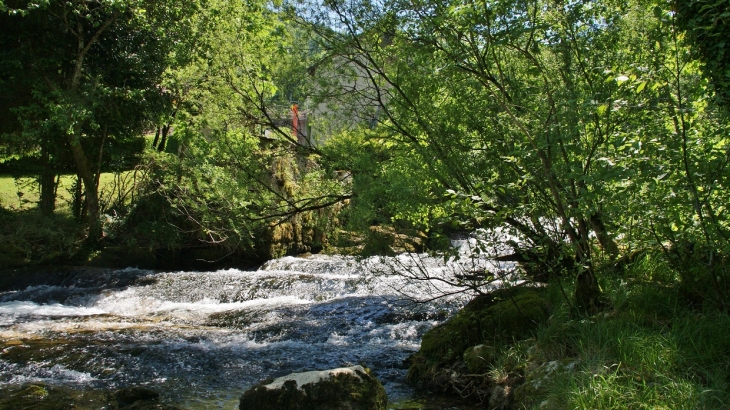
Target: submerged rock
x,y
39,396
345,388
130,395
140,398
33,396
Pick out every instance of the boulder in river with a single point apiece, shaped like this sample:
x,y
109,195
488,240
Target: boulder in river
x,y
345,388
457,356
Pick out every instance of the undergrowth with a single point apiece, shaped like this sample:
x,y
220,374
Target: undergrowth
x,y
650,350
27,238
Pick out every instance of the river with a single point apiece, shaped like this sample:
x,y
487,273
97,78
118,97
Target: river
x,y
202,338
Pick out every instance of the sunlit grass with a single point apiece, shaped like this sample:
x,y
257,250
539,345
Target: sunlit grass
x,y
649,352
23,193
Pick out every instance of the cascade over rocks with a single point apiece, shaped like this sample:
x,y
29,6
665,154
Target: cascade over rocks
x,y
345,388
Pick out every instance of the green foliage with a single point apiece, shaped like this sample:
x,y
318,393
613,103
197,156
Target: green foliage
x,y
388,182
225,184
708,26
83,84
28,239
587,129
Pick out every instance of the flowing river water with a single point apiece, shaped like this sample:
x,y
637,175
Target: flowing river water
x,y
202,338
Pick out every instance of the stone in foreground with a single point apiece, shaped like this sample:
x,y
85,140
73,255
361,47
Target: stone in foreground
x,y
345,388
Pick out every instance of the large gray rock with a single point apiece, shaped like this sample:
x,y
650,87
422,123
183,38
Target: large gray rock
x,y
345,388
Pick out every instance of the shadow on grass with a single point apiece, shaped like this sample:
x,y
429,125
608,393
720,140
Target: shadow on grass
x,y
650,351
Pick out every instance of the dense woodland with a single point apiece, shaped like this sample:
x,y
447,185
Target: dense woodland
x,y
594,133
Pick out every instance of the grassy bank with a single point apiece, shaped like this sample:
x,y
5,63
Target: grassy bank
x,y
649,349
23,193
27,238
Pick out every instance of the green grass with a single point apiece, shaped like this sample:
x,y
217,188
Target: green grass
x,y
27,238
649,352
23,193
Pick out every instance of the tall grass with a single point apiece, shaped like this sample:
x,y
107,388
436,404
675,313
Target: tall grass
x,y
649,351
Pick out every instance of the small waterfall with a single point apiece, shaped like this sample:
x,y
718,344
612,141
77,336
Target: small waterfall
x,y
202,338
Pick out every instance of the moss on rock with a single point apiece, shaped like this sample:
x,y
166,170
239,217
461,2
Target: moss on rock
x,y
479,358
351,388
495,318
39,396
491,320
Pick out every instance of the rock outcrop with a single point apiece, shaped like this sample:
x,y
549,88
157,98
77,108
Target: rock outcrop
x,y
469,354
345,388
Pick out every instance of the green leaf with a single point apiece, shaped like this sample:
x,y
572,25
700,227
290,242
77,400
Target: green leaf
x,y
658,12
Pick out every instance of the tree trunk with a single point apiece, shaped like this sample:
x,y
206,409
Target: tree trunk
x,y
587,292
157,137
84,171
77,194
48,183
83,168
607,243
163,140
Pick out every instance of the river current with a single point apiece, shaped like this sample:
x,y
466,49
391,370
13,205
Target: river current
x,y
202,338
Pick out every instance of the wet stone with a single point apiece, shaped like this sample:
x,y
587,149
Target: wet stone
x,y
130,395
345,388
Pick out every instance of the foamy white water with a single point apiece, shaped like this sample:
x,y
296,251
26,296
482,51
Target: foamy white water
x,y
202,338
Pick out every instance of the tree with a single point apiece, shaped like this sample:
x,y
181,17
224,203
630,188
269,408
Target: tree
x,y
230,187
95,72
708,25
551,118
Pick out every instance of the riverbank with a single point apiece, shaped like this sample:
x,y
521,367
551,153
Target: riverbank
x,y
28,240
650,347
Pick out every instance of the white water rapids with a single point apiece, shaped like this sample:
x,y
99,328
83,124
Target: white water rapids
x,y
202,338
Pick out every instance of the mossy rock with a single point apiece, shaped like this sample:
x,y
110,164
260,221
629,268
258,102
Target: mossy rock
x,y
493,320
387,240
479,358
38,396
35,391
379,241
349,388
514,318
